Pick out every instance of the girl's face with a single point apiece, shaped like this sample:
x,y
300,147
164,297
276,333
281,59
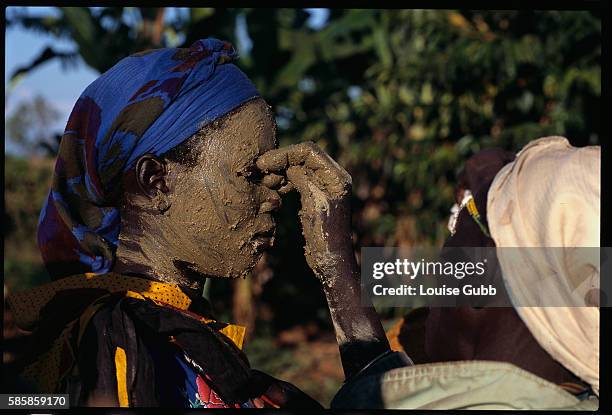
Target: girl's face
x,y
220,215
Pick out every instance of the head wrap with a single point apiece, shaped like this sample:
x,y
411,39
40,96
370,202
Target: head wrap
x,y
149,102
549,198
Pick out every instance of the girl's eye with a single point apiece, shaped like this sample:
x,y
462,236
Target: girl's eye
x,y
251,173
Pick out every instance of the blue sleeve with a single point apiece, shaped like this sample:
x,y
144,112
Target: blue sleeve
x,y
363,389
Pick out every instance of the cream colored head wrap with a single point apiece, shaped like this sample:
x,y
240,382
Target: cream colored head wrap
x,y
550,197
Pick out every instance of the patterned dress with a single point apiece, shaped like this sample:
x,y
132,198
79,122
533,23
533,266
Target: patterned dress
x,y
116,340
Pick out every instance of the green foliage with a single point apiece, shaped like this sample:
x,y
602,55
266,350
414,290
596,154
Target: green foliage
x,y
25,188
103,36
28,127
401,98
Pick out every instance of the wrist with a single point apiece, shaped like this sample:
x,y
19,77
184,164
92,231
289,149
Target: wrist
x,y
340,279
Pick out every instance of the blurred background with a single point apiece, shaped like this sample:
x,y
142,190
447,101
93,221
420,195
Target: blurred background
x,y
400,98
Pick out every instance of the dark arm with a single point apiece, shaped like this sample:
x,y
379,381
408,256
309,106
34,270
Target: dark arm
x,y
325,215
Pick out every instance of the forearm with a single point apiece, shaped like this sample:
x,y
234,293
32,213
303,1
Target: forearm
x,y
359,333
325,194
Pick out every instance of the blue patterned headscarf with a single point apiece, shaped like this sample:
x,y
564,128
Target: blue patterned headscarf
x,y
149,102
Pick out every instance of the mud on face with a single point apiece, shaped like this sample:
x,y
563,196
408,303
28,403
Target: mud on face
x,y
216,219
221,214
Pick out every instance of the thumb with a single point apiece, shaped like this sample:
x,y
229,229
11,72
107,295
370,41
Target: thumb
x,y
313,198
297,176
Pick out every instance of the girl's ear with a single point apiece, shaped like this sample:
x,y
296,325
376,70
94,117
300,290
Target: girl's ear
x,y
151,175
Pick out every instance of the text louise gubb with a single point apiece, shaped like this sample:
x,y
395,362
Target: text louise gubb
x,y
410,290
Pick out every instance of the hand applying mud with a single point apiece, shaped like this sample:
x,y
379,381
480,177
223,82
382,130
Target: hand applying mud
x,y
325,192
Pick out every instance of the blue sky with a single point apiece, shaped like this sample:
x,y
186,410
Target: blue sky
x,y
61,86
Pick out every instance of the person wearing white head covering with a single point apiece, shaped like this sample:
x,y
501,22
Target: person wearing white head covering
x,y
549,198
543,213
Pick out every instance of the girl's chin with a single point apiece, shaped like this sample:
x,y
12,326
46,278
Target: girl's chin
x,y
243,272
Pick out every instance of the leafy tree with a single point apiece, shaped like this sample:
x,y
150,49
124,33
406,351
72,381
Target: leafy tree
x,y
26,184
104,35
401,98
28,127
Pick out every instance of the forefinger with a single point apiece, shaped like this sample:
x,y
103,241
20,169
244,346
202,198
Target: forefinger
x,y
281,158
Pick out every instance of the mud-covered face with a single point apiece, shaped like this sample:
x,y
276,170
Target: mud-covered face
x,y
221,215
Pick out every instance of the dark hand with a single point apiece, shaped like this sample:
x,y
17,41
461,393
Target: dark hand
x,y
325,190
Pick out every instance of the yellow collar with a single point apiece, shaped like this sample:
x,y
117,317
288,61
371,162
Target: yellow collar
x,y
26,305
